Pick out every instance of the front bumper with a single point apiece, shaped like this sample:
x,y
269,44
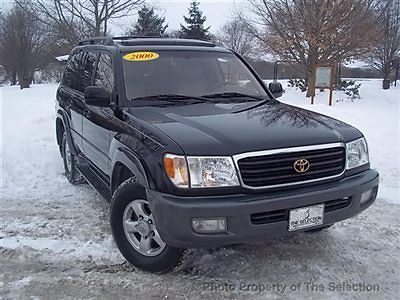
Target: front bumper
x,y
173,214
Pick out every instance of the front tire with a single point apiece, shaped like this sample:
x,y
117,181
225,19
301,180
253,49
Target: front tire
x,y
135,233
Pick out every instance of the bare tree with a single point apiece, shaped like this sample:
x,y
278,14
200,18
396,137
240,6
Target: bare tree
x,y
234,35
92,16
310,32
23,45
65,29
387,49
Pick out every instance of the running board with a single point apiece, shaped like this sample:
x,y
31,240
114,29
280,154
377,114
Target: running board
x,y
95,180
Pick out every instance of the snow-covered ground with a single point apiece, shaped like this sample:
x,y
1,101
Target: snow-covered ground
x,y
56,242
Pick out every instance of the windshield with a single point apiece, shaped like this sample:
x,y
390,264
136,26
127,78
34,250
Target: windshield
x,y
189,73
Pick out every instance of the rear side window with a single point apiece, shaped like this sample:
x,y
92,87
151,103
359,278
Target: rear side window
x,y
87,67
105,74
71,70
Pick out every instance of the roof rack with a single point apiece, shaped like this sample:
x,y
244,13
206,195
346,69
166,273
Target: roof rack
x,y
109,40
122,38
105,40
143,40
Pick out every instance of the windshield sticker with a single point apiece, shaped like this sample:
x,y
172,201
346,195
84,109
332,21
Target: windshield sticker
x,y
141,56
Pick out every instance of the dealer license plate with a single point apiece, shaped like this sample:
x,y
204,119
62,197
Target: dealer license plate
x,y
306,217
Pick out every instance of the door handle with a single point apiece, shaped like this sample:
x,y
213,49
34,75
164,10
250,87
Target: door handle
x,y
86,112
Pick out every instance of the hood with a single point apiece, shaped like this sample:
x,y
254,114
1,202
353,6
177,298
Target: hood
x,y
227,129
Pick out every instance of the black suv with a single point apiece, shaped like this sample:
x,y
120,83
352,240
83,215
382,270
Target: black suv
x,y
193,150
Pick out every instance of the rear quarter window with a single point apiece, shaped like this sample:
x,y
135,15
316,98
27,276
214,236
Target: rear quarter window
x,y
105,73
71,70
86,70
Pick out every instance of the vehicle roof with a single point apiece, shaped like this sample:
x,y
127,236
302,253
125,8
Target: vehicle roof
x,y
149,43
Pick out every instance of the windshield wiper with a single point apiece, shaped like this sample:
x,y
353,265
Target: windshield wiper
x,y
173,98
230,95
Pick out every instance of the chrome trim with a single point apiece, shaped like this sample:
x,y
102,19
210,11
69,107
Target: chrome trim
x,y
238,157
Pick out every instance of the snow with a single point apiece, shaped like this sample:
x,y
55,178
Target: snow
x,y
65,249
30,162
62,57
55,237
358,64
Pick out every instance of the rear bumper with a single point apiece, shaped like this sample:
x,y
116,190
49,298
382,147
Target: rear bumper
x,y
173,214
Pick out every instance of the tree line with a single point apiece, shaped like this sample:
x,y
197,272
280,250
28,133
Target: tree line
x,y
299,33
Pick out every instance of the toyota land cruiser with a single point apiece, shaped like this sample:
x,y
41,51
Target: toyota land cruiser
x,y
193,150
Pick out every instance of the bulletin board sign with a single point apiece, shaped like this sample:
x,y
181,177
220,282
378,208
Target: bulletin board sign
x,y
323,77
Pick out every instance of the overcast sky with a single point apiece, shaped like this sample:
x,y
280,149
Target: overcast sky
x,y
216,11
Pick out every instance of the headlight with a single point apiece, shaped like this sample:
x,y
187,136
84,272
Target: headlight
x,y
212,172
357,153
204,171
176,168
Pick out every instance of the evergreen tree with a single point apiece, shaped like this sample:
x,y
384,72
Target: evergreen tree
x,y
195,24
149,23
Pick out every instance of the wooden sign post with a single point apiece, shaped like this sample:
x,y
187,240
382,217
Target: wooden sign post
x,y
323,77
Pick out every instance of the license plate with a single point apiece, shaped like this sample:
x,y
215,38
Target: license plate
x,y
306,217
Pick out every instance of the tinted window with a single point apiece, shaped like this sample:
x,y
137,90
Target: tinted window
x,y
104,74
189,73
71,70
87,66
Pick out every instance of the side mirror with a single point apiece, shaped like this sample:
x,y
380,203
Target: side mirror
x,y
276,89
97,96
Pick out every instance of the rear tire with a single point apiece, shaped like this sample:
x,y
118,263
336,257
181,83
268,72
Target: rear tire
x,y
135,233
69,159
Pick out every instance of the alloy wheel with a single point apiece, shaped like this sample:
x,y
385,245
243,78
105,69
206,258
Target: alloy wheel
x,y
140,229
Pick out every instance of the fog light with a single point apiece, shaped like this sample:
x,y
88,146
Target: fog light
x,y
366,196
209,225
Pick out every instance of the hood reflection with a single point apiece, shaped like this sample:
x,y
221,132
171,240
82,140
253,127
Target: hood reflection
x,y
291,115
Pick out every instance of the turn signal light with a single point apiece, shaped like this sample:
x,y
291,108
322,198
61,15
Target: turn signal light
x,y
176,169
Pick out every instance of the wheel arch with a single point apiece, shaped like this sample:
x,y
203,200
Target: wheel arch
x,y
125,164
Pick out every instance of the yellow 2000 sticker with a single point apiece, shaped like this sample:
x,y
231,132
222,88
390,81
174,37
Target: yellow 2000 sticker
x,y
141,56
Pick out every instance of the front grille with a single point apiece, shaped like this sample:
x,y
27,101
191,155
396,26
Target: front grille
x,y
283,214
278,169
